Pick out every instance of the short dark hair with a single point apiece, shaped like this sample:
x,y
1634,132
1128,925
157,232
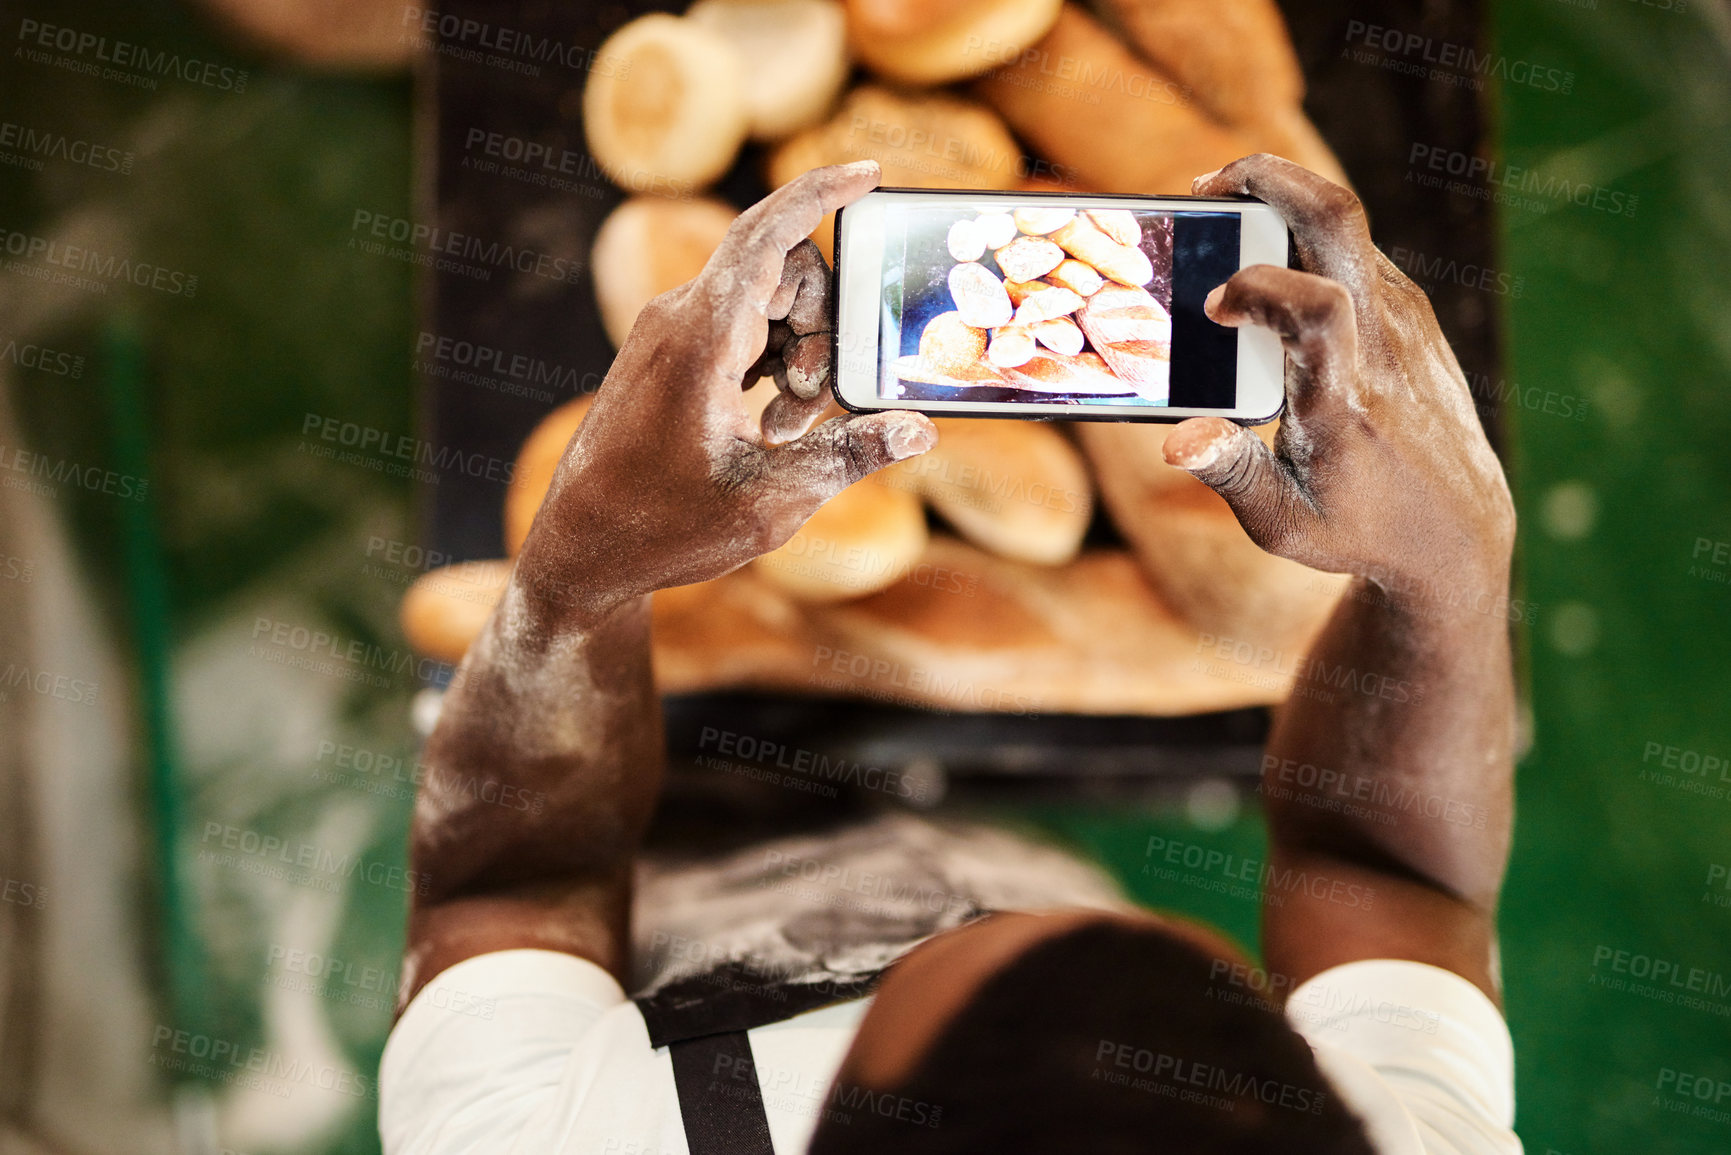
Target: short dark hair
x,y
1105,1039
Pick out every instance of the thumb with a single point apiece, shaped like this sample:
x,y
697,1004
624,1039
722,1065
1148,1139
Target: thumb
x,y
816,467
1232,461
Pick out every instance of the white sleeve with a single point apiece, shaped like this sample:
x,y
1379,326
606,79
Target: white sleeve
x,y
1419,1053
483,1047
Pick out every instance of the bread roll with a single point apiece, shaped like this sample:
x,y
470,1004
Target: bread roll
x,y
664,108
1079,277
446,609
647,246
536,462
865,538
937,42
1060,335
1047,303
1195,552
965,242
1014,487
1119,126
1119,224
997,229
795,53
951,346
1038,220
1027,258
1011,345
1082,240
979,296
928,140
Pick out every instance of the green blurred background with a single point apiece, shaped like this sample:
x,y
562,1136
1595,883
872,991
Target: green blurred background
x,y
205,395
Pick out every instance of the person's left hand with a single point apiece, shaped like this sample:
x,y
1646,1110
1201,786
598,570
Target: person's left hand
x,y
670,480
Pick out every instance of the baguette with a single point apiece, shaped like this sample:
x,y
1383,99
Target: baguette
x,y
1082,240
1028,258
980,297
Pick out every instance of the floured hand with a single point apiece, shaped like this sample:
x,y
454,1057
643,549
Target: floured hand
x,y
671,480
1381,468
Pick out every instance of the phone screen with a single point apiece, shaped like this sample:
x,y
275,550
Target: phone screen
x,y
988,301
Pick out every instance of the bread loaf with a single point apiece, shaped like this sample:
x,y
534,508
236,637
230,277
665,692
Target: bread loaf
x,y
446,609
949,345
647,246
795,55
1011,345
980,297
1017,488
927,140
865,538
1027,258
1120,126
536,462
944,40
1079,277
1133,332
1123,263
1039,220
1046,303
1060,335
1195,552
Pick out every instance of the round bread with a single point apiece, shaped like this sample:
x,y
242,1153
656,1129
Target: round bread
x,y
795,53
664,109
951,346
536,462
926,140
647,246
446,609
865,538
1016,488
935,43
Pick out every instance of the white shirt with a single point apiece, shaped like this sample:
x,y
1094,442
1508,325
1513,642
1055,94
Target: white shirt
x,y
538,1052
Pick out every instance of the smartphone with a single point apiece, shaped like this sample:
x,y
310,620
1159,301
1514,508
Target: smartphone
x,y
1051,305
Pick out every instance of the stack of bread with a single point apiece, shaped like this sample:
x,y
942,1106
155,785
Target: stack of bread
x,y
957,580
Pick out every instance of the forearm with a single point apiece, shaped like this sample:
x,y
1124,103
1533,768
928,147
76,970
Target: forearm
x,y
541,777
1395,751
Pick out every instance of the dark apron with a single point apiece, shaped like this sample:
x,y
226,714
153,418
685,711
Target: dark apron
x,y
702,1021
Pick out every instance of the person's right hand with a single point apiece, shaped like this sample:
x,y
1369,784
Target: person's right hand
x,y
1380,468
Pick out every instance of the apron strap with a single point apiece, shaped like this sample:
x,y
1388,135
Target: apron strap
x,y
720,1102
